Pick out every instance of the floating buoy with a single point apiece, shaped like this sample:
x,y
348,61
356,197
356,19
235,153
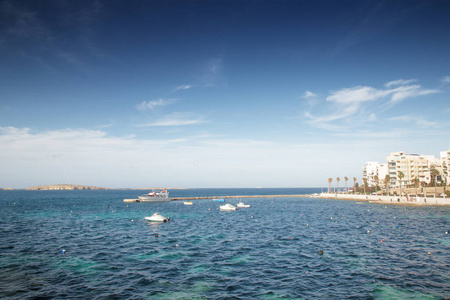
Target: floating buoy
x,y
320,252
307,224
396,226
63,252
446,232
156,235
381,242
331,218
288,238
368,231
132,220
212,218
429,253
302,216
176,245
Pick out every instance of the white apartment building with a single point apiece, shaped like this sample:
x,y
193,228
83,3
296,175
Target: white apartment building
x,y
373,169
445,160
411,165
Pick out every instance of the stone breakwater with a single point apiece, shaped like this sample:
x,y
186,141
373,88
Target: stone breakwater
x,y
227,197
402,200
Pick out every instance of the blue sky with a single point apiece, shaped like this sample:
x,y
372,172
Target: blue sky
x,y
218,93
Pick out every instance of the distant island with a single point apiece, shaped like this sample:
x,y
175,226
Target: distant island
x,y
64,187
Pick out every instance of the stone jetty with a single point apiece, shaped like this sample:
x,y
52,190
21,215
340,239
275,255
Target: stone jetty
x,y
226,197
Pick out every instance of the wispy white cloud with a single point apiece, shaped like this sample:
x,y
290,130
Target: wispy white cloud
x,y
352,106
308,95
153,104
419,121
446,79
176,119
400,82
183,87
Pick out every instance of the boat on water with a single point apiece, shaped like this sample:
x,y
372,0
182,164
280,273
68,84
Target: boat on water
x,y
228,207
242,205
155,196
157,217
187,203
219,200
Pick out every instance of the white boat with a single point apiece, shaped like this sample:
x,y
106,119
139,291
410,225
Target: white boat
x,y
187,203
157,217
162,196
242,205
228,206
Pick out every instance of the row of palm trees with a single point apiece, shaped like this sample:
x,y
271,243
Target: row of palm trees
x,y
330,180
387,180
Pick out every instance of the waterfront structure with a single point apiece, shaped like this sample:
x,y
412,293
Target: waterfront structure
x,y
445,159
375,173
408,169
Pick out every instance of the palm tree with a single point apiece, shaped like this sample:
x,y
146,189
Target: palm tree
x,y
416,183
376,182
434,173
346,179
400,176
387,179
354,185
337,183
329,184
365,183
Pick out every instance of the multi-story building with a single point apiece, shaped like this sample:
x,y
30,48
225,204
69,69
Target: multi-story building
x,y
413,166
373,170
445,160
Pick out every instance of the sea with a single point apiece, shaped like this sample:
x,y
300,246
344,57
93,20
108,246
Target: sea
x,y
92,245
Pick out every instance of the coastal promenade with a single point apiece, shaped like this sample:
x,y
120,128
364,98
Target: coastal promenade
x,y
399,200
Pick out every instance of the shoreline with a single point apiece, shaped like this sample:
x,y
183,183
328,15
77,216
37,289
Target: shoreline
x,y
393,200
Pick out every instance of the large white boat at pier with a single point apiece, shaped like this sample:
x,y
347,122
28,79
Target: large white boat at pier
x,y
153,196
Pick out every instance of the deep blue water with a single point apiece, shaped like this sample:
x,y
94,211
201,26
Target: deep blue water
x,y
267,251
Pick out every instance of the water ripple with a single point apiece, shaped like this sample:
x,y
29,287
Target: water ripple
x,y
268,251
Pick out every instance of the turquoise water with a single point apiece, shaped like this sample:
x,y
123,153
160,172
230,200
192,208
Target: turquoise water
x,y
267,251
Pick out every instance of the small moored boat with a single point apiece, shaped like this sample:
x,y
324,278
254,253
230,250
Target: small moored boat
x,y
219,200
187,202
228,206
157,217
242,205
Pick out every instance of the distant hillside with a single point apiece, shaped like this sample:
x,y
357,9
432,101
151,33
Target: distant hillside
x,y
64,187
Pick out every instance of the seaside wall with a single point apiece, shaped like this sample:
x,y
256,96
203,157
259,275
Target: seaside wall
x,y
389,199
